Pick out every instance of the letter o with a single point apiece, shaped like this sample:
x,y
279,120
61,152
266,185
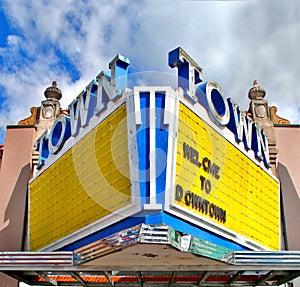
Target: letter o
x,y
207,186
211,97
217,104
212,210
59,133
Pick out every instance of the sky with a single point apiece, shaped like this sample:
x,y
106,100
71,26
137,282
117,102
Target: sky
x,y
71,41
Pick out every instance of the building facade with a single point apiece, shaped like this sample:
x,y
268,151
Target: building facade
x,y
159,174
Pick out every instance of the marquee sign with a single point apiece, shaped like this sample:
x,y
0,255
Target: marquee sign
x,y
221,187
221,177
126,153
83,177
85,185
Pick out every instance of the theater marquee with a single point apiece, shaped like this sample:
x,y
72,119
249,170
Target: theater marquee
x,y
188,157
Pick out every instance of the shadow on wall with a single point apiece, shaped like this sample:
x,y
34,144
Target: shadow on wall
x,y
12,236
290,210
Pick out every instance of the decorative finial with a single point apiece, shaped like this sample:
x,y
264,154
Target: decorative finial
x,y
256,92
53,92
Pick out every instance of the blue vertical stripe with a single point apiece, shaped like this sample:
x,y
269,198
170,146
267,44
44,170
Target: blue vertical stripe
x,y
161,146
143,146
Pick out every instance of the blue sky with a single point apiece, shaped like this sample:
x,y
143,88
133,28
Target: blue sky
x,y
71,41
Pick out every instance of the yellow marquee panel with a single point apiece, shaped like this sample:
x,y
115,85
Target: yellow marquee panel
x,y
86,184
217,182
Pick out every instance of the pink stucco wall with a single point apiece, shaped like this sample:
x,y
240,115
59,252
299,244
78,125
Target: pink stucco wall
x,y
14,174
288,142
17,154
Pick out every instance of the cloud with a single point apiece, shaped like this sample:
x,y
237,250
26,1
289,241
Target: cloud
x,y
266,41
71,41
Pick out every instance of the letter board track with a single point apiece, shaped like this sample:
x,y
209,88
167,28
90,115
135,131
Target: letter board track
x,y
216,183
88,183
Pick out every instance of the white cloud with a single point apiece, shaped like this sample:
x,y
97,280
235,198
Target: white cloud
x,y
13,40
234,42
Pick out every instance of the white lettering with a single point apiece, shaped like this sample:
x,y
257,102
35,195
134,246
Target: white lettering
x,y
109,90
79,109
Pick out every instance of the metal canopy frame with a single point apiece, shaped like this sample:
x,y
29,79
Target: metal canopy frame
x,y
146,256
238,269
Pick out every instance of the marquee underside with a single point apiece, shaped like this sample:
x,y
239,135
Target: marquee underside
x,y
134,266
149,255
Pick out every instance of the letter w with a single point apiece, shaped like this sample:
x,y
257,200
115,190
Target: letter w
x,y
79,109
196,201
243,126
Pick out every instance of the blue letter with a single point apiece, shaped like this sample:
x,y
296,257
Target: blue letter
x,y
189,73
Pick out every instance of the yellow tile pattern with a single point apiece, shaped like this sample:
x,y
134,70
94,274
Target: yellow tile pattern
x,y
247,193
89,182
